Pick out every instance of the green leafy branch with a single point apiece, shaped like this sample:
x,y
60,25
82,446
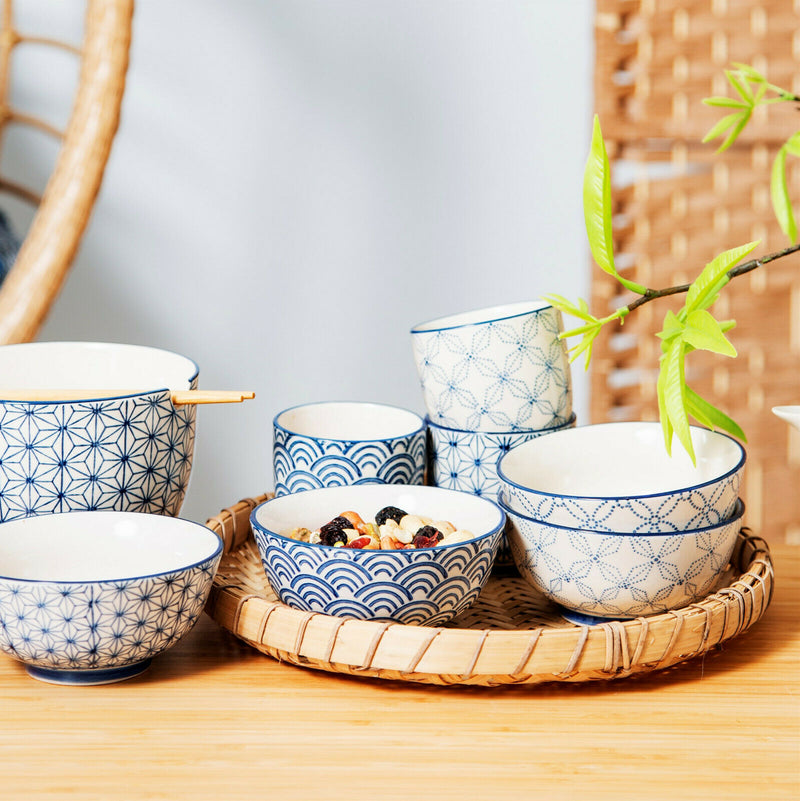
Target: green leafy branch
x,y
693,327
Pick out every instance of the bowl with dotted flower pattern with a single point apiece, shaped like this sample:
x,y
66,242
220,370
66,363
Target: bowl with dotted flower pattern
x,y
91,597
501,369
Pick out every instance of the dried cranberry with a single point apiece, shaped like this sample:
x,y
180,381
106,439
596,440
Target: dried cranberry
x,y
427,537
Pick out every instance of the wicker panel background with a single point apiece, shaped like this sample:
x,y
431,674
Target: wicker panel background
x,y
678,204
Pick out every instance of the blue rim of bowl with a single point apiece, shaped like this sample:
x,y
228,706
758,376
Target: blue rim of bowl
x,y
254,524
414,432
570,423
432,326
216,552
104,398
737,515
676,491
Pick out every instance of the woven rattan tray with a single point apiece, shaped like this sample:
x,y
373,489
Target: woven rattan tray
x,y
512,635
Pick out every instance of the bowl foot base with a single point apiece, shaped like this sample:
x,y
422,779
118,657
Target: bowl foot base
x,y
582,619
87,677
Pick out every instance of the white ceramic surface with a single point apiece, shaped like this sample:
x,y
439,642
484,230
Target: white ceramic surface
x,y
501,369
618,477
619,575
426,586
91,597
132,452
337,443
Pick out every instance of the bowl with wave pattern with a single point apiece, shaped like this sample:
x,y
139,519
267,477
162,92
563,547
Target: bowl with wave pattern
x,y
425,586
342,443
618,477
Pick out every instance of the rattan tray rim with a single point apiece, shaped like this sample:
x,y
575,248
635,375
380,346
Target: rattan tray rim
x,y
482,656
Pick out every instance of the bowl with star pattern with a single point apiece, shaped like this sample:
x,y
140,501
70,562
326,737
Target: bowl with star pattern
x,y
599,575
500,369
130,451
618,477
91,597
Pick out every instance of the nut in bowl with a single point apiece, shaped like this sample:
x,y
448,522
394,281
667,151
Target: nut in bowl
x,y
618,477
92,597
621,575
132,452
425,585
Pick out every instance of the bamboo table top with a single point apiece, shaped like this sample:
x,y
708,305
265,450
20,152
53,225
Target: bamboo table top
x,y
213,718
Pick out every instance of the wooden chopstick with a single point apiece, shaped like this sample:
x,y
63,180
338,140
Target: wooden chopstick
x,y
178,397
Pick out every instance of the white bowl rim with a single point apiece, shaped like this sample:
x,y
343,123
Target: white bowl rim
x,y
363,404
491,314
105,398
639,496
98,514
572,419
256,524
737,515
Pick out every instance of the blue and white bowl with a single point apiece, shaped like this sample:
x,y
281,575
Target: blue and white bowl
x,y
617,477
92,597
501,369
620,575
338,443
426,586
132,452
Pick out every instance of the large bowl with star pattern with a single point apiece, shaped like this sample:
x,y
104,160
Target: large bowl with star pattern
x,y
92,597
129,452
618,477
603,574
501,369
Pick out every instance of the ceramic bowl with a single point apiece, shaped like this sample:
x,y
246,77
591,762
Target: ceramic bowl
x,y
426,586
338,443
617,477
621,575
132,452
92,597
499,369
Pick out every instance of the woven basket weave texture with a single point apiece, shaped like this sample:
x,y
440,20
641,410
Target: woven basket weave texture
x,y
678,204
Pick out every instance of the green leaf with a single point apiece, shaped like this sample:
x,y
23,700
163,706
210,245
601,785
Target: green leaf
x,y
672,327
597,202
581,310
722,125
793,144
705,288
663,416
703,332
725,102
749,72
780,196
739,82
585,345
710,416
737,129
674,394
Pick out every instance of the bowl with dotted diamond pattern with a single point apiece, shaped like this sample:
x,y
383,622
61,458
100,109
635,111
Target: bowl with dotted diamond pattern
x,y
91,597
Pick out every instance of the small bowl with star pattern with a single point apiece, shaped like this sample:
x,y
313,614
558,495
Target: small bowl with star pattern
x,y
91,597
104,433
501,369
600,575
618,477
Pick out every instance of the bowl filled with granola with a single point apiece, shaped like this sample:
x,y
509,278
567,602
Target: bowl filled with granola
x,y
407,553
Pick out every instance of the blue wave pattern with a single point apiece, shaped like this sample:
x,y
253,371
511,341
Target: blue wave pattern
x,y
683,511
424,587
508,375
95,625
125,455
621,576
303,463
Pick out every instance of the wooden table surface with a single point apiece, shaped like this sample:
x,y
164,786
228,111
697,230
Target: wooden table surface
x,y
213,718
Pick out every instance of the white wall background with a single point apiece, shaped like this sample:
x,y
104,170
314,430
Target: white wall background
x,y
295,184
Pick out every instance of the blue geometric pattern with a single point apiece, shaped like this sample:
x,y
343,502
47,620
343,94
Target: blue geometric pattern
x,y
428,586
303,463
130,454
78,626
691,509
617,575
508,375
